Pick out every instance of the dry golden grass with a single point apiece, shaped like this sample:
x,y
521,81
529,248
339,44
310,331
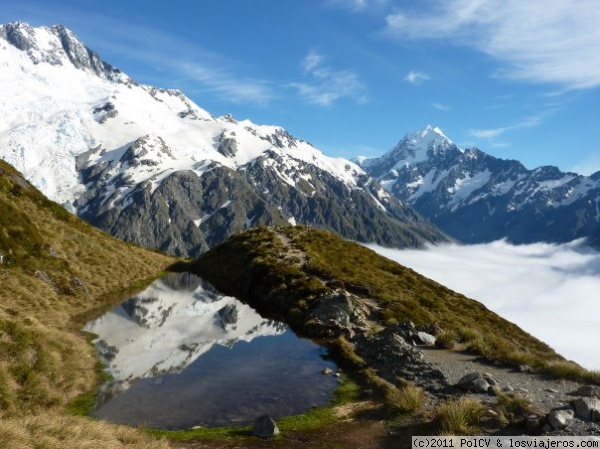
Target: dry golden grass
x,y
56,269
407,399
61,432
459,417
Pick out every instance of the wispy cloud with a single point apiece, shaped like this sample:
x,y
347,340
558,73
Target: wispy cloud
x,y
416,77
358,5
535,40
492,133
551,291
328,85
441,106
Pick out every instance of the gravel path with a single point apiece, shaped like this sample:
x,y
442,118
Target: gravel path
x,y
545,392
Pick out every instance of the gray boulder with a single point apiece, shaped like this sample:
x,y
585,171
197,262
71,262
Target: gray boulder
x,y
584,407
265,427
474,382
559,419
589,391
426,339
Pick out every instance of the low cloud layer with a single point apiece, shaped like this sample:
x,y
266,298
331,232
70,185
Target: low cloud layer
x,y
551,291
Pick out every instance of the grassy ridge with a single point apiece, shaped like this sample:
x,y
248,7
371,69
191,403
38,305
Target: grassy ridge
x,y
256,265
55,268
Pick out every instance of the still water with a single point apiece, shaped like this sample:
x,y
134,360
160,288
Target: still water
x,y
181,354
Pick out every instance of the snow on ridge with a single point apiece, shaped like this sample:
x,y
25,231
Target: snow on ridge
x,y
53,112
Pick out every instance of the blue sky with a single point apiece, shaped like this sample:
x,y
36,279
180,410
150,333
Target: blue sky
x,y
518,79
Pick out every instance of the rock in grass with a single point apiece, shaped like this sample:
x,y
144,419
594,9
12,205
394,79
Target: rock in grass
x,y
264,427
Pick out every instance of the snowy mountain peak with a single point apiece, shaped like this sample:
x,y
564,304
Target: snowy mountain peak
x,y
430,134
416,144
149,165
58,46
415,147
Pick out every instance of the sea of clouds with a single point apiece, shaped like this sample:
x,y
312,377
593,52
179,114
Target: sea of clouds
x,y
550,290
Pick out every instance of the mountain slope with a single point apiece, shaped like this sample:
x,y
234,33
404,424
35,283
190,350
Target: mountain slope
x,y
148,165
476,197
53,268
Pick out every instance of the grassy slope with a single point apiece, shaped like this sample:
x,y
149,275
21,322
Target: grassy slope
x,y
55,270
249,265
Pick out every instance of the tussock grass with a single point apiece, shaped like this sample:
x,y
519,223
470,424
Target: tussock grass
x,y
62,431
459,417
513,409
446,339
570,370
406,399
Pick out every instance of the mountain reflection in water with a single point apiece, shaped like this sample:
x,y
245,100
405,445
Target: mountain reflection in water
x,y
182,354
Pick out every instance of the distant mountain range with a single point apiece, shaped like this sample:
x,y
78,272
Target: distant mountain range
x,y
476,197
148,165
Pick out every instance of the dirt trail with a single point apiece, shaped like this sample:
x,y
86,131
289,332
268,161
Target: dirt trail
x,y
544,391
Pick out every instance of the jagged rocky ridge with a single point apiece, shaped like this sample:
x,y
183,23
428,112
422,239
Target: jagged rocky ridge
x,y
148,165
476,197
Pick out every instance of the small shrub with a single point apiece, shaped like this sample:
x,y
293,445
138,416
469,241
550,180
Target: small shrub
x,y
513,409
459,417
406,399
446,339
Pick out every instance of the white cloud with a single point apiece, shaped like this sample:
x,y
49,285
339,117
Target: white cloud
x,y
358,5
491,133
225,85
535,40
487,133
441,106
416,77
550,291
328,85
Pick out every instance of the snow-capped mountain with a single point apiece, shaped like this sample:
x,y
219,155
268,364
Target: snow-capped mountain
x,y
169,325
150,166
476,197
